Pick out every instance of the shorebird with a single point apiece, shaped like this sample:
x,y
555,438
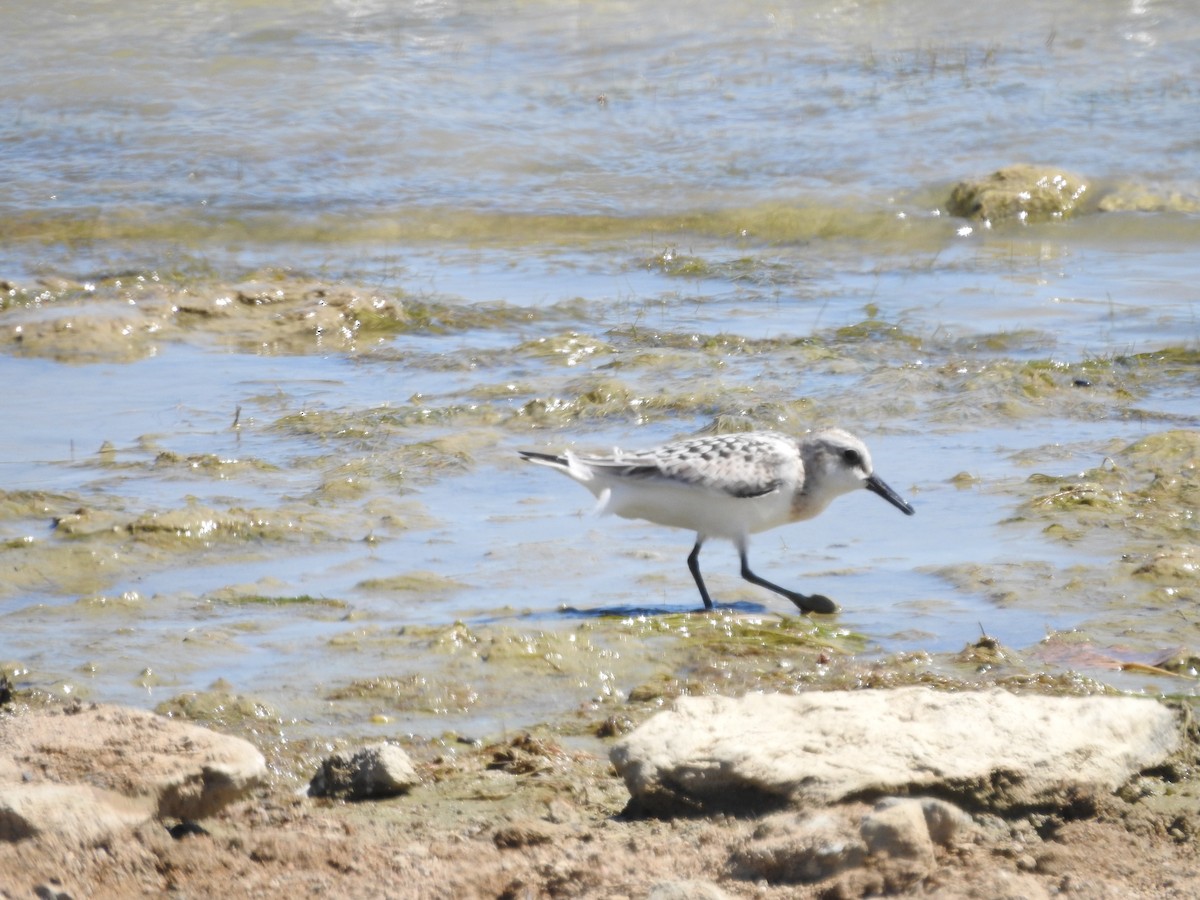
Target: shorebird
x,y
729,486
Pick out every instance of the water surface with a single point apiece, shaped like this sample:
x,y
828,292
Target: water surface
x,y
568,224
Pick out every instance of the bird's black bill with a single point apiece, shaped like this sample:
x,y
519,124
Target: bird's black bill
x,y
877,486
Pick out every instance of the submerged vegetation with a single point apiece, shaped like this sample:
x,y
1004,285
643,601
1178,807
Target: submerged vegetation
x,y
441,392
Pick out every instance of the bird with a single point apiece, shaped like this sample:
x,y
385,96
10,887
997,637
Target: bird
x,y
729,486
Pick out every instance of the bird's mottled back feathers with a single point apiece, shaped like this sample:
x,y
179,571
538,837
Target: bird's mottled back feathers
x,y
740,465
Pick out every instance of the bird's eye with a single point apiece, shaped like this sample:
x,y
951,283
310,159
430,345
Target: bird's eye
x,y
852,458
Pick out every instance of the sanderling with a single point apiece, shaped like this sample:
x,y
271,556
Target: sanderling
x,y
729,486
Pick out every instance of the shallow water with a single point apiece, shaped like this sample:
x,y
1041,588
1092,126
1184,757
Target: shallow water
x,y
603,224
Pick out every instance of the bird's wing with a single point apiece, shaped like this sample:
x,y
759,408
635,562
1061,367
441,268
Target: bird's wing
x,y
720,464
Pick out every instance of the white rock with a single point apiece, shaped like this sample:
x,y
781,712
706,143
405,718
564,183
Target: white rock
x,y
86,772
87,815
1004,749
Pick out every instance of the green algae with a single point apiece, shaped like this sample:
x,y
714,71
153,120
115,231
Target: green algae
x,y
604,666
303,600
415,582
1169,359
743,269
1130,523
1167,566
1022,193
57,569
201,523
1151,489
769,222
1008,584
411,693
35,505
570,347
606,398
409,316
1017,341
1005,388
875,331
82,550
383,434
226,710
124,320
679,265
211,464
1081,495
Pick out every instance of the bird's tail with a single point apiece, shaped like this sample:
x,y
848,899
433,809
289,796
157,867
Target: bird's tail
x,y
568,463
544,459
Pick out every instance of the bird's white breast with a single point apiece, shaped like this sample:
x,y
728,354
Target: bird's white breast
x,y
709,512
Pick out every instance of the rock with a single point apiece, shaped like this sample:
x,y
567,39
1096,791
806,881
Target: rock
x,y
944,821
374,772
525,833
85,814
51,891
790,849
894,840
1021,192
187,829
85,773
898,832
994,749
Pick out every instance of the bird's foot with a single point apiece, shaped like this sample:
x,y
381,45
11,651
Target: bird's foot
x,y
813,603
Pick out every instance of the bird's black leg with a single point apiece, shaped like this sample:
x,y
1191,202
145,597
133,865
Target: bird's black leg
x,y
807,602
694,568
